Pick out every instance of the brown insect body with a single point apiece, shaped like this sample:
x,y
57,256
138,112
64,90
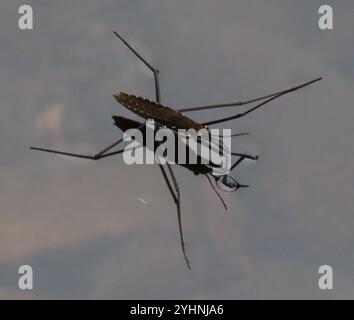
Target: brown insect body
x,y
161,114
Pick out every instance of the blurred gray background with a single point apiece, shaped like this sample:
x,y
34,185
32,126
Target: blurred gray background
x,y
108,230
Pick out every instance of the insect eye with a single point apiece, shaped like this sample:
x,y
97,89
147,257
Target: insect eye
x,y
228,184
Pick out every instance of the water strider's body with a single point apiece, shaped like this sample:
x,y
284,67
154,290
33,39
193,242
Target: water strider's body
x,y
197,168
175,119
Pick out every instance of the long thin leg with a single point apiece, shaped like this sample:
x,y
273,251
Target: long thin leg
x,y
153,69
217,193
101,153
177,200
75,155
232,135
179,213
168,183
237,162
96,156
239,115
114,153
244,155
242,103
176,194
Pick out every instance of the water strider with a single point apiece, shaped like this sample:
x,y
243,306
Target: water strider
x,y
165,116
